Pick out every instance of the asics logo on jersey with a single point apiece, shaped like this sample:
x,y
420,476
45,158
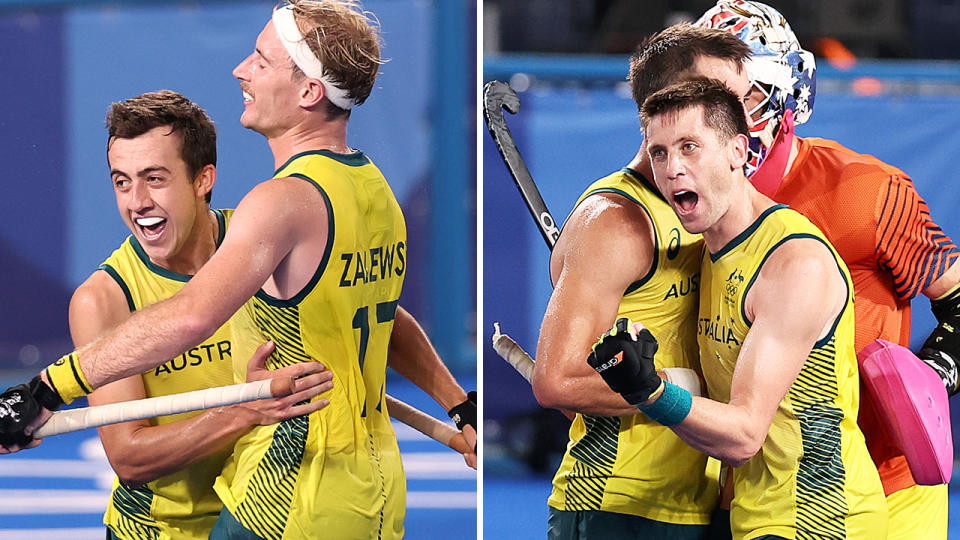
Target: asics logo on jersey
x,y
673,248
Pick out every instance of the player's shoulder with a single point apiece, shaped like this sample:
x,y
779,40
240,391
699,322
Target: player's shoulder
x,y
801,259
602,213
605,229
847,163
284,193
102,291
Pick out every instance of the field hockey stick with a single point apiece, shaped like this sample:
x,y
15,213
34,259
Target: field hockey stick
x,y
126,411
439,431
497,96
113,413
512,352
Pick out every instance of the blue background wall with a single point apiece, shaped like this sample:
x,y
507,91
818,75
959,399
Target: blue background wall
x,y
573,133
62,64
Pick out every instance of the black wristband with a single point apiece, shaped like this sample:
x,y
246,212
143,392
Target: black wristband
x,y
44,395
465,413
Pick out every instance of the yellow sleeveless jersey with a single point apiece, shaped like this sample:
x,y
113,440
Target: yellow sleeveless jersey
x,y
181,505
335,473
813,476
631,464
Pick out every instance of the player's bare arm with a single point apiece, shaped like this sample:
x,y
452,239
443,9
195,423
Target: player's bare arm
x,y
139,452
798,295
607,244
268,222
412,355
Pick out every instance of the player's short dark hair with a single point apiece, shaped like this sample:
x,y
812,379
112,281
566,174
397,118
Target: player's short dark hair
x,y
722,110
666,58
198,136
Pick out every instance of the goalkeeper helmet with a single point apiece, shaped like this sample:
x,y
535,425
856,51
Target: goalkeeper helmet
x,y
782,71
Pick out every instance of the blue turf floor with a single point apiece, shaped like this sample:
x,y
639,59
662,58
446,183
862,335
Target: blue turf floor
x,y
57,491
516,506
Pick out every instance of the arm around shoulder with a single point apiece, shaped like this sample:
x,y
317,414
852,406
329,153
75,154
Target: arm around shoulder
x,y
607,244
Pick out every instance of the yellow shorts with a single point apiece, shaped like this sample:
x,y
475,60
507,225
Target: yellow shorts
x,y
918,513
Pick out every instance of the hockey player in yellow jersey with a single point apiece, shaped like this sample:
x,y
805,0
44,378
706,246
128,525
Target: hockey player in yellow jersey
x,y
623,475
162,158
775,332
315,254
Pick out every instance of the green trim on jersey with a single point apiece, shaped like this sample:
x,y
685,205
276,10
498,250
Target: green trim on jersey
x,y
630,464
181,504
821,473
354,159
297,298
270,492
112,272
134,507
281,324
170,274
646,183
714,257
656,243
813,457
836,257
596,454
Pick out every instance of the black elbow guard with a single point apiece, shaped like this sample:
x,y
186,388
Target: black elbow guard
x,y
941,351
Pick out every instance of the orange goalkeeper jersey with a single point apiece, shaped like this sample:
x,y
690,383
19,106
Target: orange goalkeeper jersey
x,y
881,227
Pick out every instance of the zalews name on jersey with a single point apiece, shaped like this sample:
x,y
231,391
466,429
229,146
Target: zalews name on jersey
x,y
370,265
208,352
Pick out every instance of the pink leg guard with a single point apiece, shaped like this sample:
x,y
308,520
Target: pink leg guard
x,y
912,402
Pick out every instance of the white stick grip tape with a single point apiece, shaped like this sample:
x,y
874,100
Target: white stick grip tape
x,y
509,350
424,423
126,411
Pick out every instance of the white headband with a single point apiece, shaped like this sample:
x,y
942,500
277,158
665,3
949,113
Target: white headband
x,y
289,33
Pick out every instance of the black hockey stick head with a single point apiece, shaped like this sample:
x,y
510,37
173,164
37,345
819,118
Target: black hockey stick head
x,y
496,96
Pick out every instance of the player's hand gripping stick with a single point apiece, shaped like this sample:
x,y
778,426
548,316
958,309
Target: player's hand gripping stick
x,y
632,375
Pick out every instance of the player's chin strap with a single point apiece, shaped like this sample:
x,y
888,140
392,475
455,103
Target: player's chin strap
x,y
465,414
770,173
941,350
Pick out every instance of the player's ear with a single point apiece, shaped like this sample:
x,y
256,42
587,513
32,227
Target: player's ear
x,y
205,180
311,93
738,147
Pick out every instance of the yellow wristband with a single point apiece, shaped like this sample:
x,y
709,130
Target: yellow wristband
x,y
67,379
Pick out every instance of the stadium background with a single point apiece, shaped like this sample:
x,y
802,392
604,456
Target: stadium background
x,y
880,93
62,64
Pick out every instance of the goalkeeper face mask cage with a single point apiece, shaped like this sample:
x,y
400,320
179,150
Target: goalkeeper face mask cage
x,y
782,72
